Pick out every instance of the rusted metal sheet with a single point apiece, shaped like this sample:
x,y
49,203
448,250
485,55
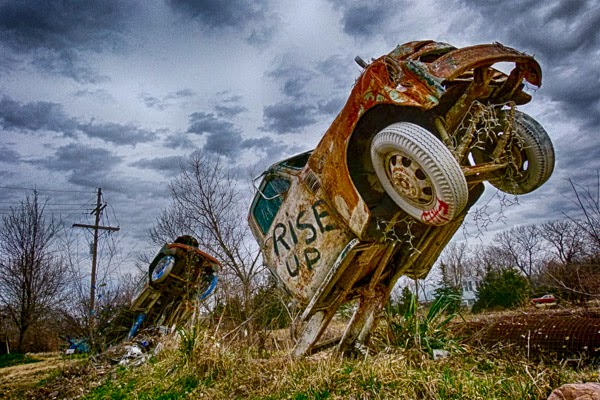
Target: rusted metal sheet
x,y
455,63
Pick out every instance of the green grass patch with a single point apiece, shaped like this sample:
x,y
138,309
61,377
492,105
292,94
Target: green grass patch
x,y
9,360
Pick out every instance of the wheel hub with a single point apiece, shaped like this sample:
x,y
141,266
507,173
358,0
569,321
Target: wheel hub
x,y
409,179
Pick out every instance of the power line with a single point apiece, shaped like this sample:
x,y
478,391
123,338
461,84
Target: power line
x,y
45,190
96,228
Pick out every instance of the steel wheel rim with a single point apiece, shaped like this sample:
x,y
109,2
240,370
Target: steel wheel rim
x,y
409,179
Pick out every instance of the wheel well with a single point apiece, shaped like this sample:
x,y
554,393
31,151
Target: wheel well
x,y
358,156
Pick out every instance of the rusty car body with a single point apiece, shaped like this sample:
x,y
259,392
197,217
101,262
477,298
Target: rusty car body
x,y
179,276
394,176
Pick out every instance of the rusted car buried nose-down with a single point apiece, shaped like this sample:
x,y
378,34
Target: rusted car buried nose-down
x,y
394,176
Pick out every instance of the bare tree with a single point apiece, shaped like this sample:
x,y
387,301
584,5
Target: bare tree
x,y
207,204
566,243
588,201
523,247
454,265
113,290
33,277
574,270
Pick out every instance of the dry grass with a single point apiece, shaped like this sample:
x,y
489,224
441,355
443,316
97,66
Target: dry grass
x,y
207,364
16,380
226,370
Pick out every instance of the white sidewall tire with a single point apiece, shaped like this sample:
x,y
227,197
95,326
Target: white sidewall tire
x,y
449,187
539,154
163,268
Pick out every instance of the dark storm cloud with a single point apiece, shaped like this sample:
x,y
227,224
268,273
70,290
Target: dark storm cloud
x,y
201,122
552,28
273,149
35,116
83,165
119,134
178,140
227,144
8,155
52,34
263,142
365,19
294,79
254,17
168,166
289,117
564,37
44,116
222,136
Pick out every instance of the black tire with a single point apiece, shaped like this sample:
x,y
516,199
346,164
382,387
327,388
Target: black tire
x,y
531,157
419,173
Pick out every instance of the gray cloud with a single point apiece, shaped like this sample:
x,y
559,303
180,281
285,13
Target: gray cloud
x,y
563,36
273,149
35,116
254,17
119,134
52,34
294,79
263,142
222,136
179,140
166,101
331,106
230,106
43,116
201,122
288,117
307,98
365,19
337,65
8,155
83,165
168,166
227,144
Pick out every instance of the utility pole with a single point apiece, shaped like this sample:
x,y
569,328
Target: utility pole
x,y
96,227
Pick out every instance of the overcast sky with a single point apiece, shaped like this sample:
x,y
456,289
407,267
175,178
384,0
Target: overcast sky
x,y
112,94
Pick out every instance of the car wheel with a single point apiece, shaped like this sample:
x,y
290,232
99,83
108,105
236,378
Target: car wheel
x,y
161,269
419,173
208,287
530,156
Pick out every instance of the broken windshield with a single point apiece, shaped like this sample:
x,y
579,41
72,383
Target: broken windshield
x,y
269,200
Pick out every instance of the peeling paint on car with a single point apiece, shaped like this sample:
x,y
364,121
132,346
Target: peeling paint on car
x,y
428,97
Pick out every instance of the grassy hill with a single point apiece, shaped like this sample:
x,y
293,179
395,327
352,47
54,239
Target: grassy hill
x,y
208,364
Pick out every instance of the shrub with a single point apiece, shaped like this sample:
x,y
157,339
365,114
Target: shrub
x,y
502,289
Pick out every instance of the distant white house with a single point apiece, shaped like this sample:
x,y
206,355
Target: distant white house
x,y
469,290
